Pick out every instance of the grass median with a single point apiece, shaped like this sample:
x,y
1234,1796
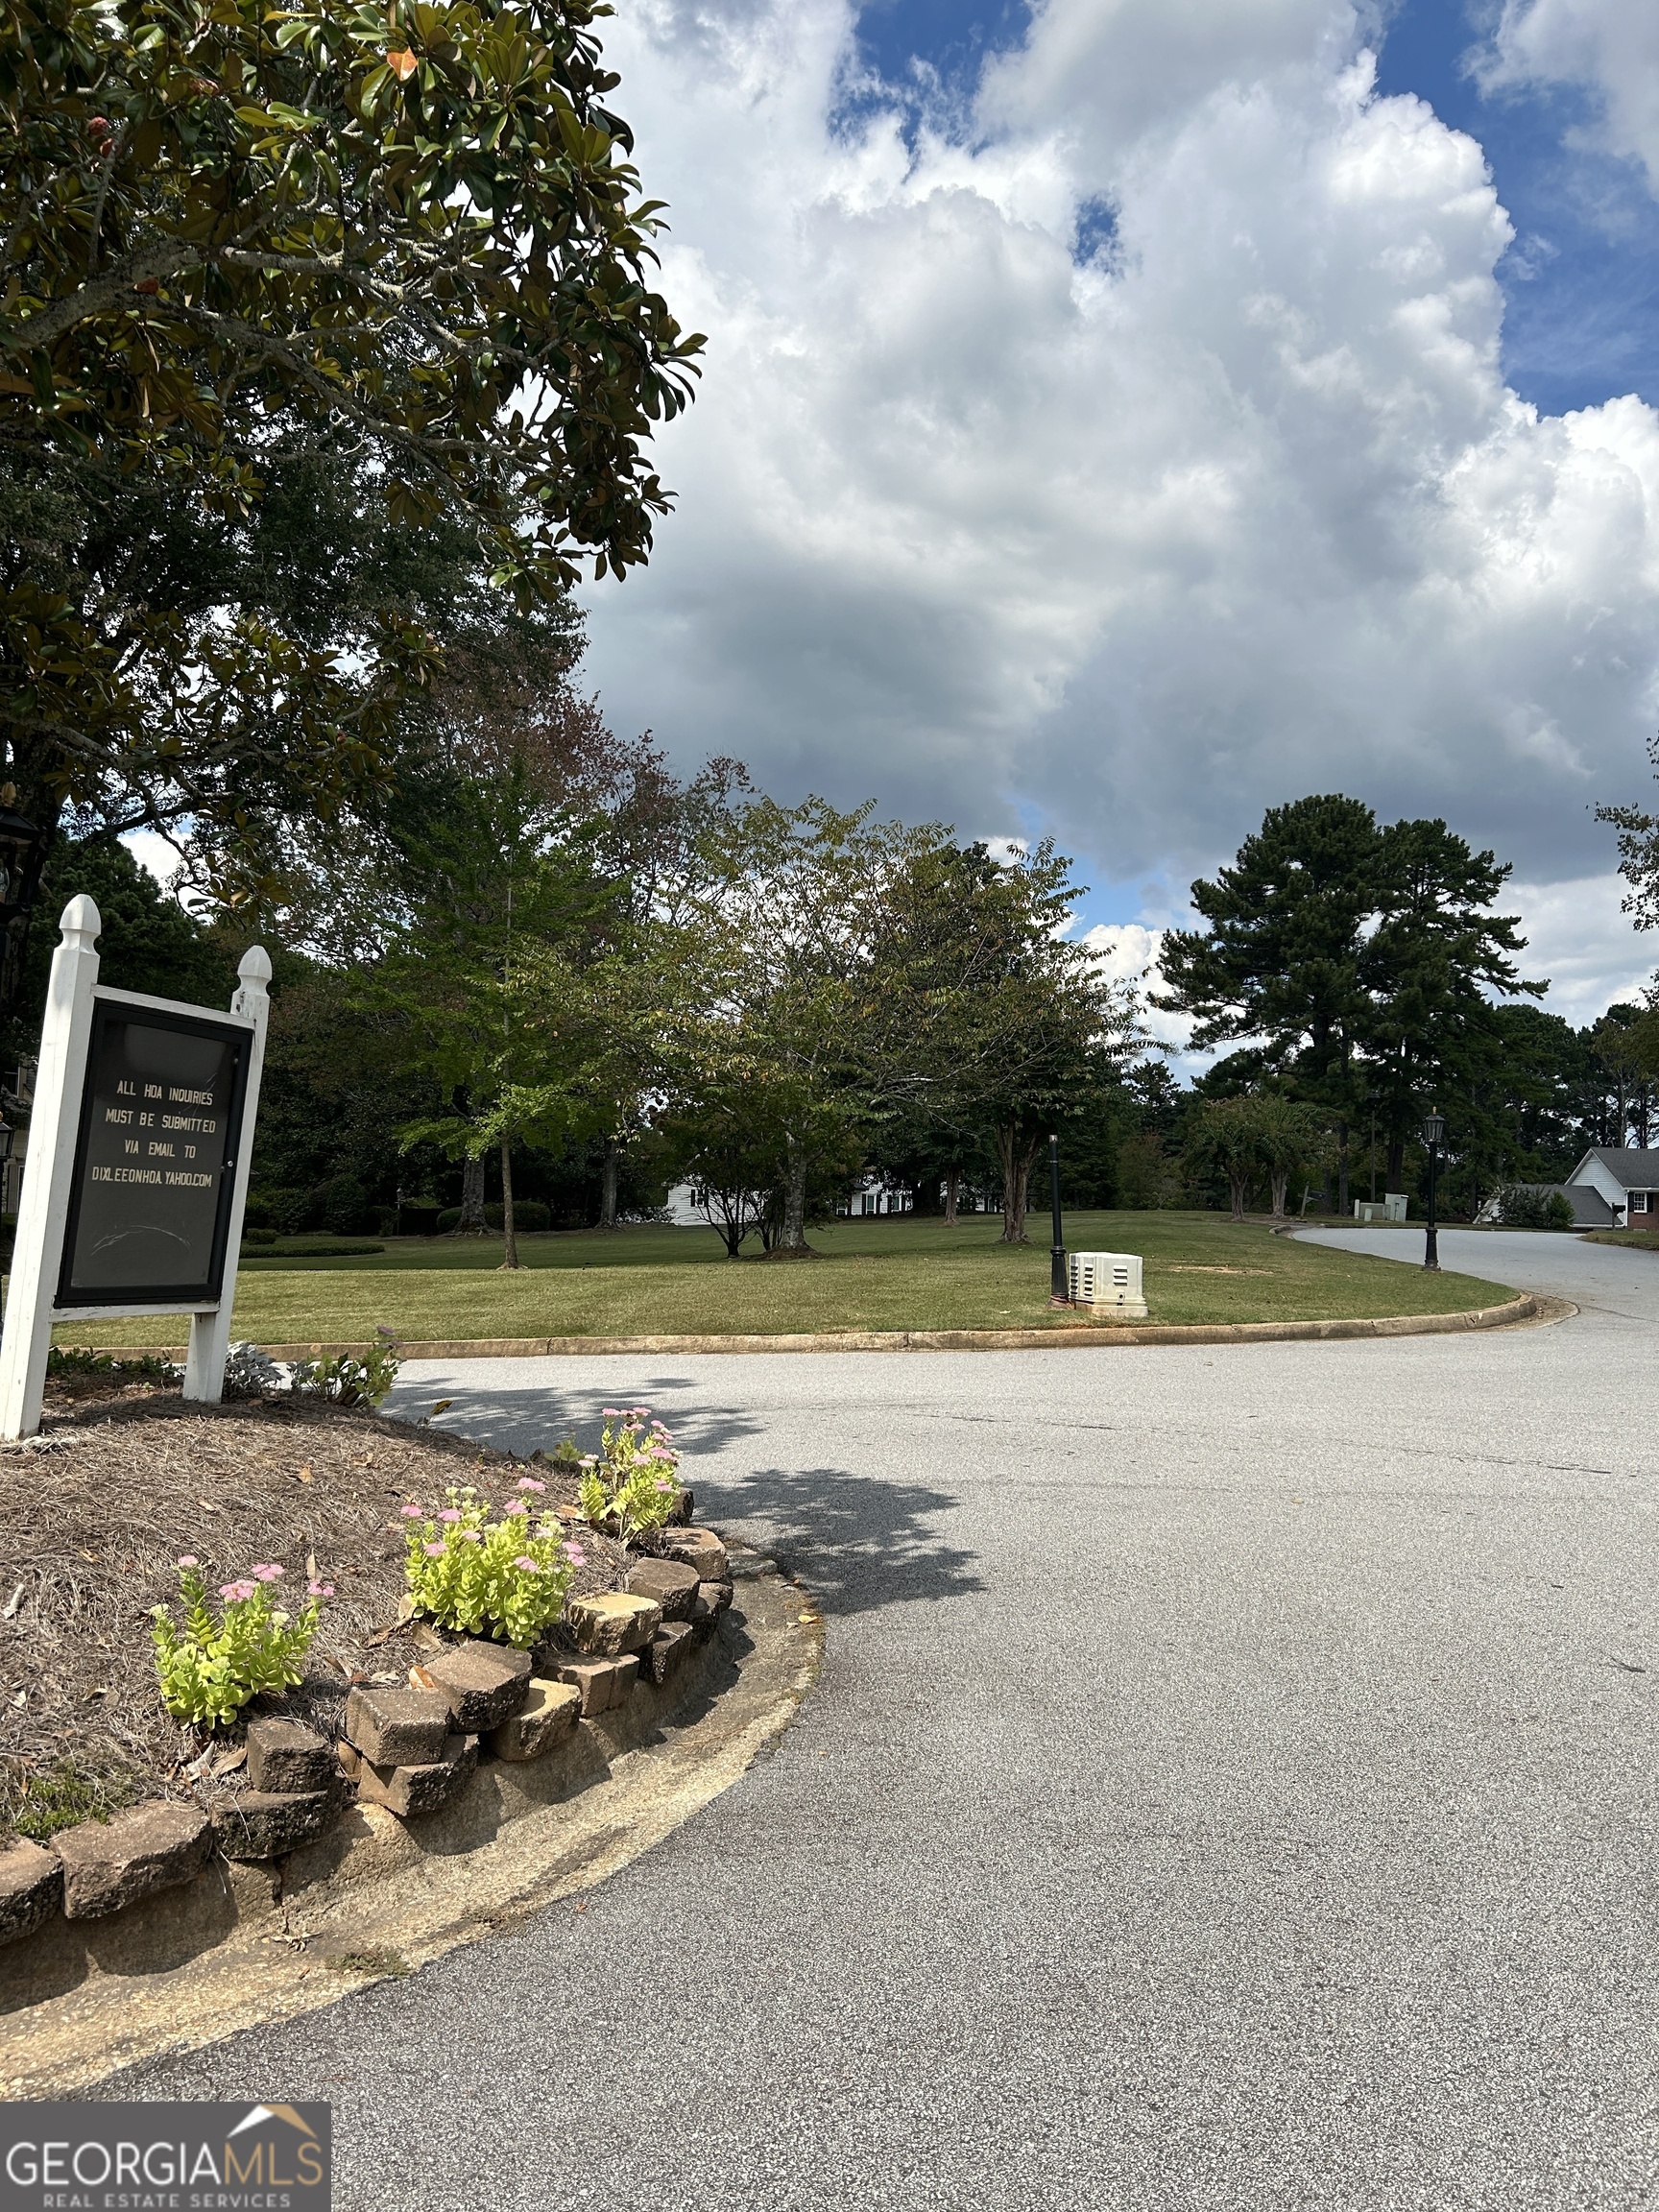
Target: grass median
x,y
881,1274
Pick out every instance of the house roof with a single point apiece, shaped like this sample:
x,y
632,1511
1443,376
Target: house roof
x,y
1627,1163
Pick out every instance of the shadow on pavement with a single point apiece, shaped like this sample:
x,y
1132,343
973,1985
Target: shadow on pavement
x,y
856,1541
539,1419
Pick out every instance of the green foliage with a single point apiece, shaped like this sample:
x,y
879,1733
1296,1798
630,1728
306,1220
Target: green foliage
x,y
1251,1139
350,1378
1533,1205
1355,966
280,291
39,1803
500,1577
630,1487
436,172
77,1359
212,1667
528,1214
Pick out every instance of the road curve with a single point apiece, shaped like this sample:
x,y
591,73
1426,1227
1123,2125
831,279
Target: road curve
x,y
1232,1784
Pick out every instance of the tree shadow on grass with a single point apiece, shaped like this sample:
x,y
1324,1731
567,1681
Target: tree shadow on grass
x,y
856,1541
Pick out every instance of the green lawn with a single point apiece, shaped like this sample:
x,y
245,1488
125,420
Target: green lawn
x,y
875,1274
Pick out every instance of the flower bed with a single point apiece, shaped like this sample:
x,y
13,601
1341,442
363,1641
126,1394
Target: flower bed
x,y
159,1706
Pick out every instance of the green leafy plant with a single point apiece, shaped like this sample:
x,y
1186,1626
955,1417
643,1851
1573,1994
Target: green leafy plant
x,y
499,1577
40,1802
211,1668
79,1359
629,1489
1534,1206
349,1379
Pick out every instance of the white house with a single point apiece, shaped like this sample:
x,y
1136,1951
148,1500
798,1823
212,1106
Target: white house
x,y
1626,1178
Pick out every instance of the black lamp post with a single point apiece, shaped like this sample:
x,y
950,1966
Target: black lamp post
x,y
1434,1130
22,849
1059,1290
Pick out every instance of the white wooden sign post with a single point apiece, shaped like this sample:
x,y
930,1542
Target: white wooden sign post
x,y
137,1175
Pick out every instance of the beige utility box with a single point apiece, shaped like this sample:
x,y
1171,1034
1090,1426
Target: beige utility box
x,y
1109,1282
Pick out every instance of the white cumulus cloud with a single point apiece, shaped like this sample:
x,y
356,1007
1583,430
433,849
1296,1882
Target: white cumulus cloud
x,y
1608,48
1133,545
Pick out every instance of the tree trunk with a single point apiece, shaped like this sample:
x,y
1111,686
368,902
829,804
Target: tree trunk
x,y
1240,1186
1281,1179
1344,1205
608,1183
510,1255
1396,1172
952,1185
1015,1156
471,1222
794,1236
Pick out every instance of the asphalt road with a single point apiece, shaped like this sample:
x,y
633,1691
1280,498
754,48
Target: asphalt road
x,y
1232,1784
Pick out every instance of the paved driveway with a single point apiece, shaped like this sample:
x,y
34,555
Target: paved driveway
x,y
1232,1784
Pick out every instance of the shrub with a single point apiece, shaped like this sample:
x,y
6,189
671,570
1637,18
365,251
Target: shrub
x,y
250,1372
528,1214
343,1206
258,1213
501,1578
81,1360
630,1489
210,1669
349,1379
258,1237
293,1211
1533,1205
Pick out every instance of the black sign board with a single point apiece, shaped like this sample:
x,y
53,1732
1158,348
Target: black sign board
x,y
155,1161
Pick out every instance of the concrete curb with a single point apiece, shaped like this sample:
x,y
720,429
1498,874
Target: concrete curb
x,y
1085,1336
376,1897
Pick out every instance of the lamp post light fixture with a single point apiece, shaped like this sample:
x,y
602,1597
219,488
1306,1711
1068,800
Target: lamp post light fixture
x,y
23,850
1434,1131
1059,1290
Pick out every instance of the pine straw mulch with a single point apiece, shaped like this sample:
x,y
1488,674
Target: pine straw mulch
x,y
98,1506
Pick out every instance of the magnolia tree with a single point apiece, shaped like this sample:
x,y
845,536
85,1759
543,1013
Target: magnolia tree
x,y
403,246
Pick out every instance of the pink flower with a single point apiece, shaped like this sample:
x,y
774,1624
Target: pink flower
x,y
189,1560
529,1566
267,1570
321,1589
611,1413
574,1554
410,1512
516,1506
467,1536
450,1514
433,1550
238,1591
529,1482
663,1484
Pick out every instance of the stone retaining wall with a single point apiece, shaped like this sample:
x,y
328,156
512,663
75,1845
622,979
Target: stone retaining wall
x,y
480,1735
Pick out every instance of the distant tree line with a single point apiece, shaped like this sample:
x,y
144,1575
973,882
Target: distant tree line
x,y
546,980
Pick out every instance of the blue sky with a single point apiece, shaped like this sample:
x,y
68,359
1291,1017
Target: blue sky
x,y
1127,416
1582,281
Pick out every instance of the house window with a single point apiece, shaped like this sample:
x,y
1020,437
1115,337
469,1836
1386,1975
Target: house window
x,y
1638,1201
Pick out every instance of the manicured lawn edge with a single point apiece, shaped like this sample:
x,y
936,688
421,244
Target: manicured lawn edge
x,y
1086,1336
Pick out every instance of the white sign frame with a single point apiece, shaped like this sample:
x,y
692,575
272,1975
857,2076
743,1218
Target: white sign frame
x,y
37,1255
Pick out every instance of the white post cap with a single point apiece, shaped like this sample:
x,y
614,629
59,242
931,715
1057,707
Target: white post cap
x,y
82,918
254,965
